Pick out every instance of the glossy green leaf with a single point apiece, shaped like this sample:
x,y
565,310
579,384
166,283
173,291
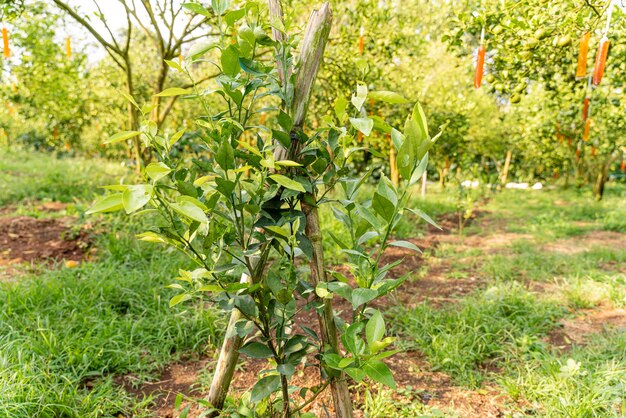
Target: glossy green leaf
x,y
190,210
361,296
264,388
179,298
256,350
388,97
157,171
230,61
109,203
405,244
137,196
173,91
122,136
379,372
375,328
365,125
287,183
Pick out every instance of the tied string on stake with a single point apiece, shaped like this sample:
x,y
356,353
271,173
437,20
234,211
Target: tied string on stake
x,y
603,49
480,60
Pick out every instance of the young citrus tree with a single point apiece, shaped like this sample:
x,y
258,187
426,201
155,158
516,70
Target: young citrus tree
x,y
247,212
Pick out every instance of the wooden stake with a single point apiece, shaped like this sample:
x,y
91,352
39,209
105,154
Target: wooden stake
x,y
227,361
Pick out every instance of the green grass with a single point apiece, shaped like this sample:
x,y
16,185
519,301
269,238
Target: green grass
x,y
35,176
61,329
486,328
111,317
558,213
529,261
589,381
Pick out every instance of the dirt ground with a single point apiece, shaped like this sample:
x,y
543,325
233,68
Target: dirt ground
x,y
28,241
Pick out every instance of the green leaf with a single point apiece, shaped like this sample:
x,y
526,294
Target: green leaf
x,y
157,171
375,328
200,48
362,295
220,6
122,136
383,207
287,183
190,210
173,91
420,118
135,197
286,369
354,373
109,203
359,98
175,137
405,244
233,16
425,217
379,372
388,97
264,388
364,125
173,64
256,350
197,8
179,298
225,155
230,61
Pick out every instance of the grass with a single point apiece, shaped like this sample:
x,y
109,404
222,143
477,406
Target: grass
x,y
66,334
66,327
35,176
497,336
485,329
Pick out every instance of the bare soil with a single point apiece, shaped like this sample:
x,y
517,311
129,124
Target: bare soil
x,y
588,241
578,331
27,240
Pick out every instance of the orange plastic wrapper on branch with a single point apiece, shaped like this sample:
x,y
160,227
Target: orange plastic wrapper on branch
x,y
623,166
480,63
68,47
585,109
5,42
586,130
598,69
581,69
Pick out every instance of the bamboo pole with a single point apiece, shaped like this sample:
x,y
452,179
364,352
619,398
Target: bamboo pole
x,y
311,55
227,360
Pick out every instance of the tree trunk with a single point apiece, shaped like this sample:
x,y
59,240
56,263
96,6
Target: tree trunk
x,y
507,164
